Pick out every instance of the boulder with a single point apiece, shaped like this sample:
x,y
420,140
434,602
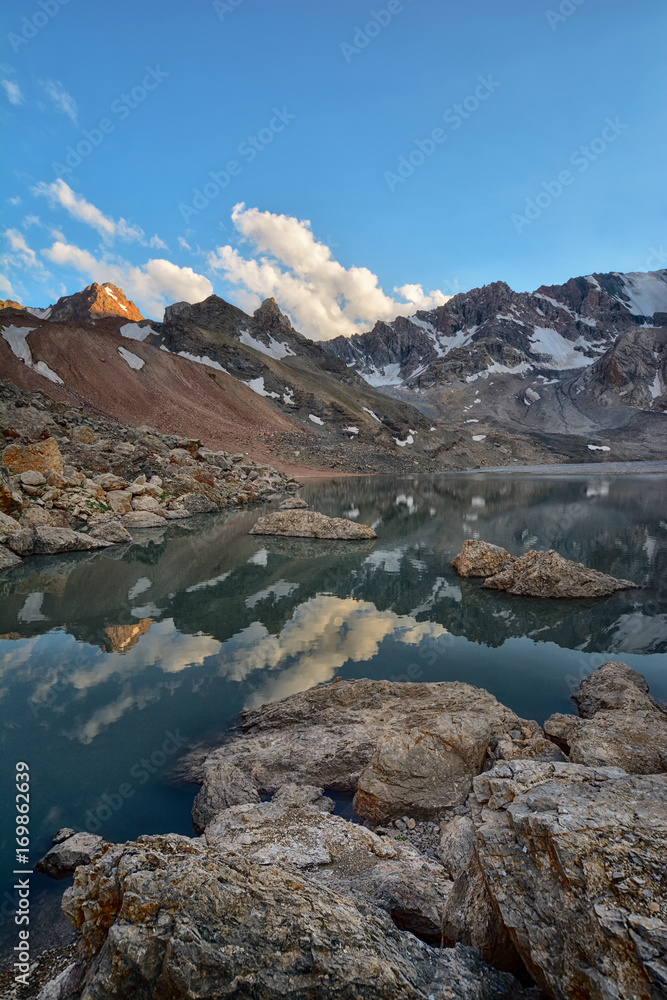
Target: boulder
x,y
11,500
168,916
42,456
310,524
8,525
109,481
224,786
547,574
34,515
33,478
293,503
481,559
147,502
112,531
403,748
67,854
197,503
143,519
46,541
119,501
574,860
8,559
621,727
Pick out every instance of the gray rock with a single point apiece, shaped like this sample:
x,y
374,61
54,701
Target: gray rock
x,y
478,558
8,559
224,786
167,916
573,858
197,503
143,519
66,855
63,834
547,574
33,478
112,531
147,502
8,525
403,748
64,987
43,539
622,726
293,503
310,524
110,482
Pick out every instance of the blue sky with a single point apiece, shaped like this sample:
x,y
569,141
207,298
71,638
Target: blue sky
x,y
184,88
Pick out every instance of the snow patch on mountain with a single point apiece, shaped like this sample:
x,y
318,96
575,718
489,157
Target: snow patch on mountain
x,y
647,292
132,359
274,349
17,338
132,331
562,351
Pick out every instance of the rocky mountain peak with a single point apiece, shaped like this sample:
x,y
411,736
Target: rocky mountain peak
x,y
93,303
10,304
272,318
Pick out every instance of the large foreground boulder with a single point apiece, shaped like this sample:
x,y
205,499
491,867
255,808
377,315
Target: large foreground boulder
x,y
574,860
402,748
478,558
310,524
621,726
42,456
167,917
45,540
68,854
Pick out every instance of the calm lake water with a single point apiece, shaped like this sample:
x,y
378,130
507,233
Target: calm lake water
x,y
113,663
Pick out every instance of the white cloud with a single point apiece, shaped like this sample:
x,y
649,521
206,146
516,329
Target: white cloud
x,y
183,244
21,253
324,298
152,285
16,200
6,287
63,101
13,91
60,193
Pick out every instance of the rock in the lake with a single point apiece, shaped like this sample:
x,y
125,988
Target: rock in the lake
x,y
293,503
8,559
197,503
405,749
621,725
149,503
8,525
143,519
42,456
547,574
113,531
167,916
45,540
478,558
574,859
67,854
224,786
310,524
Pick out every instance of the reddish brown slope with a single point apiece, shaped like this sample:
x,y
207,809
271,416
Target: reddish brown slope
x,y
169,393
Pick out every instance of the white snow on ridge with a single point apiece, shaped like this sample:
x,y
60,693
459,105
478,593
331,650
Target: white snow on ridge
x,y
370,413
479,437
390,375
132,331
132,359
39,313
561,350
351,430
409,440
656,389
598,447
275,349
316,420
17,338
647,292
205,360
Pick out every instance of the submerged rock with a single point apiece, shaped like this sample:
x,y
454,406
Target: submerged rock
x,y
143,519
293,503
167,916
574,860
310,524
403,748
8,559
621,725
69,852
112,531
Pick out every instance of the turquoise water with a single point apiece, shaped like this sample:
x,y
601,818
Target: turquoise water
x,y
113,663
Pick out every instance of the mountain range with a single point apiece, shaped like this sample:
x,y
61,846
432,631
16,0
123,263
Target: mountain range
x,y
573,372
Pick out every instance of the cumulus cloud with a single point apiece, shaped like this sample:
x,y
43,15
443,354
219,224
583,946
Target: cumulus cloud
x,y
13,91
21,255
61,99
324,298
152,285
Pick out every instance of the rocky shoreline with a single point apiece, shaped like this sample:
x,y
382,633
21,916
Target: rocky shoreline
x,y
71,480
490,857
